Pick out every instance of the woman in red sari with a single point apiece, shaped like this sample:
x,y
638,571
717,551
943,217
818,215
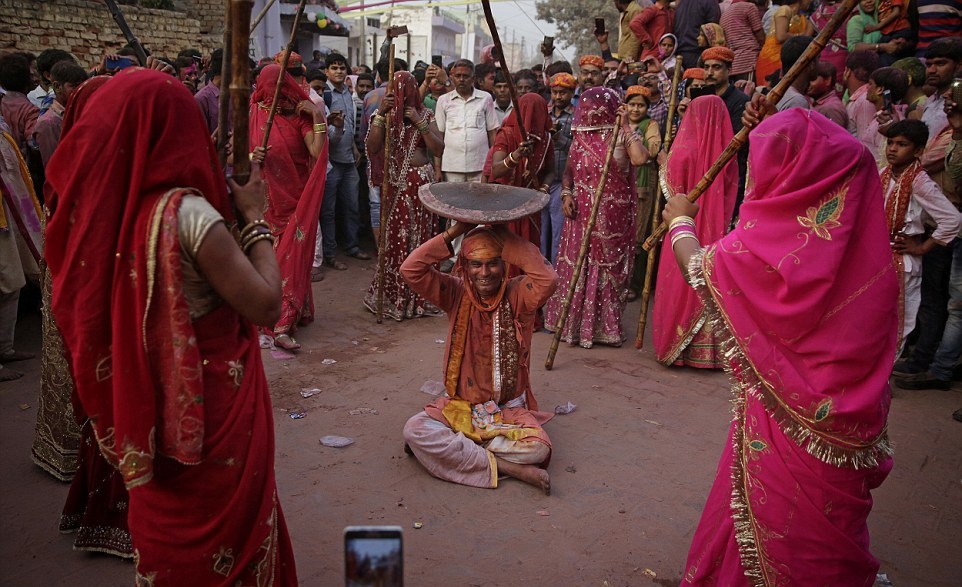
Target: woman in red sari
x,y
413,134
295,169
155,301
789,291
602,290
525,164
680,330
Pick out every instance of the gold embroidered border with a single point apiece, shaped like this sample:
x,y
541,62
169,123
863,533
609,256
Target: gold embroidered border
x,y
824,446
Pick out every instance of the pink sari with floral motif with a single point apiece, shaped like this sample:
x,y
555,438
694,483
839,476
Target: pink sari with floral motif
x,y
789,291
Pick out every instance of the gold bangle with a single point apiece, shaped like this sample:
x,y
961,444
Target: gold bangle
x,y
249,244
251,227
246,240
681,220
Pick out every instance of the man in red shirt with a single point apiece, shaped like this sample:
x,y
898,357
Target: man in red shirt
x,y
649,26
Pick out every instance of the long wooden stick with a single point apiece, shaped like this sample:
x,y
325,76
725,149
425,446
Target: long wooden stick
x,y
583,253
489,17
653,254
280,78
240,87
261,15
810,54
223,99
128,34
385,189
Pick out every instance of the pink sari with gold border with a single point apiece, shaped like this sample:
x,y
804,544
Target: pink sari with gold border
x,y
790,291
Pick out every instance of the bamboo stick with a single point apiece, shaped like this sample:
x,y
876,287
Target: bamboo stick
x,y
385,188
280,78
489,17
240,87
583,253
223,99
652,254
810,54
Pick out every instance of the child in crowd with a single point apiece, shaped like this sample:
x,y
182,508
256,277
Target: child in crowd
x,y
908,192
886,88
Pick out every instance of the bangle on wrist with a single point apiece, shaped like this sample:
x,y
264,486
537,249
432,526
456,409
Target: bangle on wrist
x,y
320,128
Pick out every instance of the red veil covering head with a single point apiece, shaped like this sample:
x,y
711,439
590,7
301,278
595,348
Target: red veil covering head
x,y
403,132
139,138
292,93
537,123
807,268
704,133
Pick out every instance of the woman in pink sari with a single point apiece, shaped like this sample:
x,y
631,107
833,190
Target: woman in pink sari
x,y
789,291
295,168
680,330
602,289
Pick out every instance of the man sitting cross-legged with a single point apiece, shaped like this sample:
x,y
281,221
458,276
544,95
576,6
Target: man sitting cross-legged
x,y
488,420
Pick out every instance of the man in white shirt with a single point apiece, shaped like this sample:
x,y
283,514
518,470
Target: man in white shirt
x,y
468,123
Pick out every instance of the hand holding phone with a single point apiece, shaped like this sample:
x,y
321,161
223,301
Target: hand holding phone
x,y
599,26
547,46
887,100
437,60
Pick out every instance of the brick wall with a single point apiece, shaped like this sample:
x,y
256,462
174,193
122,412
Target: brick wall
x,y
87,30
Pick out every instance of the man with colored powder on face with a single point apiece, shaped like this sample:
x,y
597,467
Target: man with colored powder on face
x,y
487,421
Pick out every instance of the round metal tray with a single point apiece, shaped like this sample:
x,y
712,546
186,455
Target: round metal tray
x,y
481,203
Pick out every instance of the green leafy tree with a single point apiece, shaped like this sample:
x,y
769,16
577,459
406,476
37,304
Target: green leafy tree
x,y
575,20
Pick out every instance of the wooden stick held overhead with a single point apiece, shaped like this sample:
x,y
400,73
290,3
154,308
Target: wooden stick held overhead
x,y
770,101
583,252
261,15
223,99
655,221
489,17
385,189
240,87
128,34
280,78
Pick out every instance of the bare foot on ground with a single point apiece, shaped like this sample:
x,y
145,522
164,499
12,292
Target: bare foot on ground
x,y
530,474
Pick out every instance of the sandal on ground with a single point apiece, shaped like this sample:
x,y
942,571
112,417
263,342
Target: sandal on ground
x,y
359,254
632,295
334,264
13,356
317,274
285,342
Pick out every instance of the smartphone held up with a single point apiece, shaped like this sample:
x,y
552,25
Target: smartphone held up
x,y
373,556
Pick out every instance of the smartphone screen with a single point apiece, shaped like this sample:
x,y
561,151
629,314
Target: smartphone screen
x,y
599,26
887,100
122,62
373,556
548,45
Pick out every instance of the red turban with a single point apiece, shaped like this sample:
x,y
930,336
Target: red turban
x,y
594,60
695,73
719,54
563,80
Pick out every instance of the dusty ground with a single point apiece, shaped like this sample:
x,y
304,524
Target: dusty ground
x,y
630,472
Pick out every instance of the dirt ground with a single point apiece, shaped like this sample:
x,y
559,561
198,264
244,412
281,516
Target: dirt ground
x,y
630,471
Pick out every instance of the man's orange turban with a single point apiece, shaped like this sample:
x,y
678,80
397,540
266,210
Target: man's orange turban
x,y
594,60
719,54
695,73
481,244
563,80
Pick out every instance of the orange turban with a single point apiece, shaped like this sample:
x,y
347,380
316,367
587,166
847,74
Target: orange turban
x,y
637,91
719,54
695,73
563,80
595,60
294,60
481,244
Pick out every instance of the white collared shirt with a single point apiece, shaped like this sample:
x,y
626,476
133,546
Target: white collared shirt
x,y
465,124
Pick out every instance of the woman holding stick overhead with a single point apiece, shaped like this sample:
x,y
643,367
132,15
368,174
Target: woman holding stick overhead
x,y
157,303
788,292
408,223
295,169
602,286
679,330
